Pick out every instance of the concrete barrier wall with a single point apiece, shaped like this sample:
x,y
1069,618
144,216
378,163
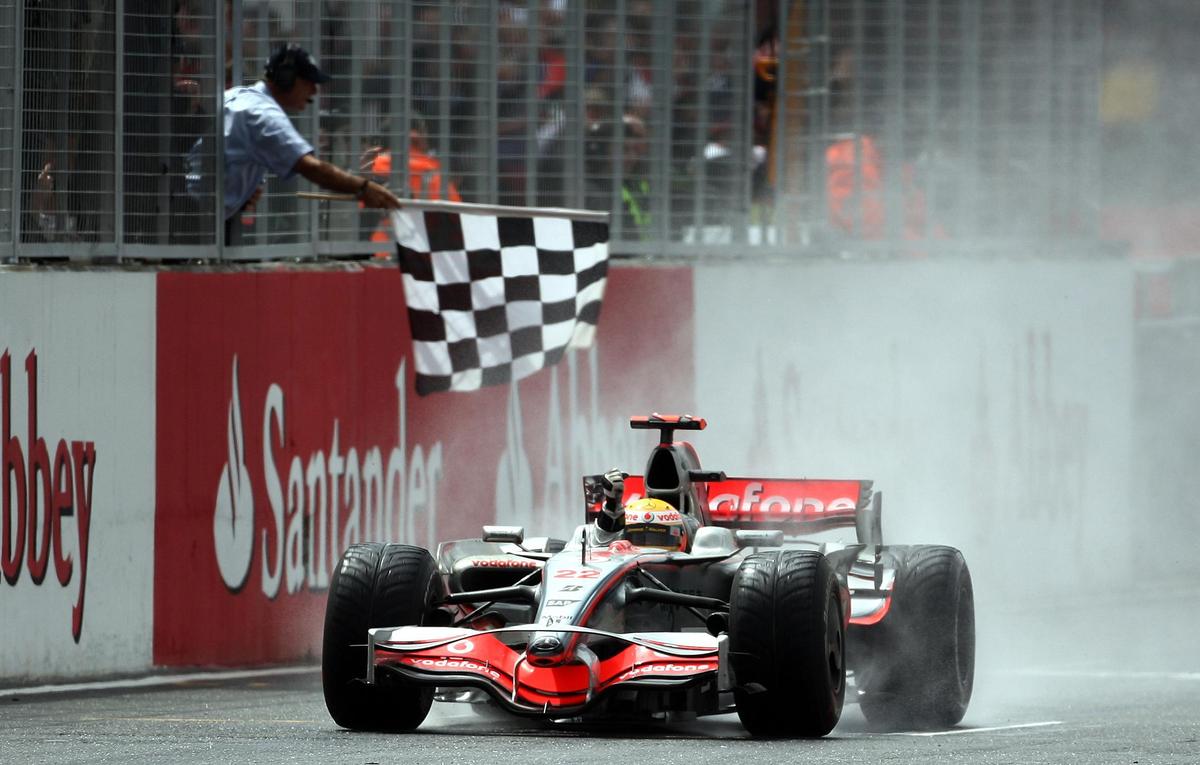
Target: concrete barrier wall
x,y
211,441
77,393
288,429
231,432
991,402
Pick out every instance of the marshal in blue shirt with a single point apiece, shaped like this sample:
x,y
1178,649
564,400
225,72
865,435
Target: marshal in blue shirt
x,y
259,136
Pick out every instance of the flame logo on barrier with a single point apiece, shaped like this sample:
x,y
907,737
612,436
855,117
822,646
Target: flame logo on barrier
x,y
233,518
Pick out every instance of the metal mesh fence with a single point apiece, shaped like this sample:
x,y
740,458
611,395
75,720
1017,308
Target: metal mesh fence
x,y
620,106
68,113
9,95
701,125
940,120
169,140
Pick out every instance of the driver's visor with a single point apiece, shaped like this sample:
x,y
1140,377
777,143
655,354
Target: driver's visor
x,y
655,535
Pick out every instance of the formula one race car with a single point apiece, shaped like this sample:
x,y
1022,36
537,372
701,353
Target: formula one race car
x,y
746,609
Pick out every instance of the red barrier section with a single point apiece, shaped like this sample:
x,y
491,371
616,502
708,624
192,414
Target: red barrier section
x,y
287,427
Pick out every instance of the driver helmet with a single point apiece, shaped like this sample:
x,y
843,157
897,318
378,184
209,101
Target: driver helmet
x,y
655,523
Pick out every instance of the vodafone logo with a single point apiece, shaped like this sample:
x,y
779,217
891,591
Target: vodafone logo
x,y
752,503
462,646
449,664
665,669
503,563
661,516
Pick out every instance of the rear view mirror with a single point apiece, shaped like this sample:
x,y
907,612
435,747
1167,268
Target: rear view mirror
x,y
593,491
513,534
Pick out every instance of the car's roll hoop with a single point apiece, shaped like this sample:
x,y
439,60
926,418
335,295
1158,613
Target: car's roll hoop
x,y
667,424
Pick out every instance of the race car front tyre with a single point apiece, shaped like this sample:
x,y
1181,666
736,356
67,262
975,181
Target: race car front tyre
x,y
921,667
787,644
375,585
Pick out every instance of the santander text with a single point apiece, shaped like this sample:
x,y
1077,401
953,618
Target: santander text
x,y
321,503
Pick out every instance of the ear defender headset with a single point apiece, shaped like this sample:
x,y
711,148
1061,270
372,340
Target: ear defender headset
x,y
281,68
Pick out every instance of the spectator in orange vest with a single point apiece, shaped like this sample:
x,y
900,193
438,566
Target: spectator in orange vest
x,y
424,180
855,190
855,180
854,186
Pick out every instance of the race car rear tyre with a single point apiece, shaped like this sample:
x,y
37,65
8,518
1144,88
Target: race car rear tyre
x,y
787,644
375,585
921,670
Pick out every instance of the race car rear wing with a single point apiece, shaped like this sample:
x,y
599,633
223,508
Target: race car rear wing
x,y
795,506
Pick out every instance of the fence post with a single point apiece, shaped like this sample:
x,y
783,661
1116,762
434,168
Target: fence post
x,y
18,118
119,130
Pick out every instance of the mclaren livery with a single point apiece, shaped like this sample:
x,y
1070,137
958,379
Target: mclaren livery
x,y
753,605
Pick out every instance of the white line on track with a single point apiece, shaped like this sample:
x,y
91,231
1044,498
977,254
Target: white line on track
x,y
962,731
1109,674
156,680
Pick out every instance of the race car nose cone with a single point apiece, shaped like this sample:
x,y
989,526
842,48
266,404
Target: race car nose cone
x,y
545,650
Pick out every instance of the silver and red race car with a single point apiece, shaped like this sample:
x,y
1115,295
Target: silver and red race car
x,y
762,611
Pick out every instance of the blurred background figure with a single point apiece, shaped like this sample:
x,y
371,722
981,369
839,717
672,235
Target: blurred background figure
x,y
425,181
631,196
45,202
766,63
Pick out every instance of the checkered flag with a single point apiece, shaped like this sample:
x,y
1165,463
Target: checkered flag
x,y
495,294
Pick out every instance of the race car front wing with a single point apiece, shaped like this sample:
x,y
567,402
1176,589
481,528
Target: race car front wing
x,y
456,657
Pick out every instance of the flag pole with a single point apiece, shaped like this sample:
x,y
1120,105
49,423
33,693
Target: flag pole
x,y
466,207
326,196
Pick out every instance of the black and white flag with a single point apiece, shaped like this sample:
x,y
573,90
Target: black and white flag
x,y
495,294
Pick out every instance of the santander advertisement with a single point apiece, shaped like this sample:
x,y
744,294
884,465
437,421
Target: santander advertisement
x,y
288,428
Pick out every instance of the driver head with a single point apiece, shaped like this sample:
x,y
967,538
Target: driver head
x,y
654,523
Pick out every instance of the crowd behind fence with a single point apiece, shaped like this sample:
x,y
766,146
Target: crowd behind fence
x,y
703,126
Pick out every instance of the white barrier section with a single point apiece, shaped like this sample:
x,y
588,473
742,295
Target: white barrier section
x,y
77,392
990,402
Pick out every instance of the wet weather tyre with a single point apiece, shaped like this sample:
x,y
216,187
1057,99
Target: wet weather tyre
x,y
375,585
787,644
922,669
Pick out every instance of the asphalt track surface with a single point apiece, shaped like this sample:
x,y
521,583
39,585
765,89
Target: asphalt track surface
x,y
1057,688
